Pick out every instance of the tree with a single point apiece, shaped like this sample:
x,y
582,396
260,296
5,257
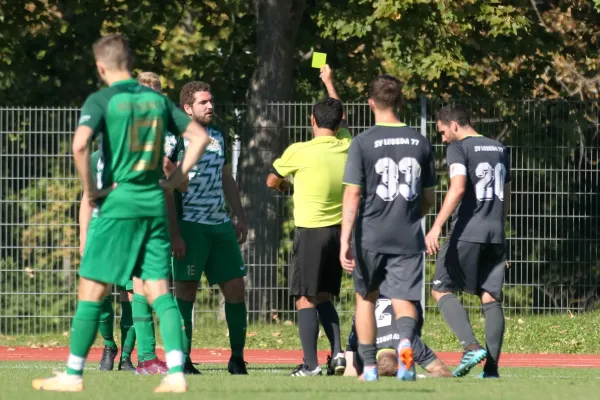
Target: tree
x,y
277,24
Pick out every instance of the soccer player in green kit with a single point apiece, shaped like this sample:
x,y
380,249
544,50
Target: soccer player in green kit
x,y
130,236
136,313
212,238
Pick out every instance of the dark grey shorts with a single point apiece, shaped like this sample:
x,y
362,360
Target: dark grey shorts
x,y
470,267
395,276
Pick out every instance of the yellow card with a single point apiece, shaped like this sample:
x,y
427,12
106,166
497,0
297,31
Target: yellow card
x,y
319,59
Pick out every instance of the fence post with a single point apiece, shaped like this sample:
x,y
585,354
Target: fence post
x,y
424,133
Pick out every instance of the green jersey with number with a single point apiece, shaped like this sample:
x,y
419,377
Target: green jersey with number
x,y
131,121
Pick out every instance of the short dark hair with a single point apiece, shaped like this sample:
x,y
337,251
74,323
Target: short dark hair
x,y
386,91
113,51
186,95
454,112
328,113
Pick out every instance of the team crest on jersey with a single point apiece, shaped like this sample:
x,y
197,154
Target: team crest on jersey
x,y
214,146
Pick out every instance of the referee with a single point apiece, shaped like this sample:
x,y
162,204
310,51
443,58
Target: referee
x,y
318,168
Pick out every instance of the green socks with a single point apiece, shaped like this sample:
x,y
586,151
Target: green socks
x,y
127,330
185,309
237,323
83,332
107,320
144,328
170,329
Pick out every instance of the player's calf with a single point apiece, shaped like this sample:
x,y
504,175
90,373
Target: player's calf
x,y
236,313
170,322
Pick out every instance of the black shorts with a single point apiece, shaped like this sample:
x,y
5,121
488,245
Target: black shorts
x,y
395,276
470,267
316,264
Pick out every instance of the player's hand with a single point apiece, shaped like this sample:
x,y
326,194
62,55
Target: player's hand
x,y
241,231
326,74
432,242
94,194
81,247
178,247
284,186
346,257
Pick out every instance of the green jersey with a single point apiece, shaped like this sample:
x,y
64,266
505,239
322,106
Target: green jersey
x,y
131,121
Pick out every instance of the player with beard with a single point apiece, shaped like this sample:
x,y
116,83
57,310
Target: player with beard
x,y
212,240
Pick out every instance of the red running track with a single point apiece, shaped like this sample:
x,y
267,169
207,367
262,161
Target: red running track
x,y
221,356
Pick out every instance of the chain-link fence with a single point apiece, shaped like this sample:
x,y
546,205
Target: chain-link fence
x,y
553,230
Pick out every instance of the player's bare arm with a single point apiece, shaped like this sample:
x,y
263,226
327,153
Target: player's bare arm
x,y
198,141
85,215
453,198
168,168
506,199
277,183
178,247
82,155
427,201
232,197
350,205
327,78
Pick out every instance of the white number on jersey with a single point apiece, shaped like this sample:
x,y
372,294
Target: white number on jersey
x,y
382,319
491,181
391,186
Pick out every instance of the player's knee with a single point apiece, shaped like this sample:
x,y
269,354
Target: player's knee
x,y
234,291
90,290
437,296
369,297
186,290
138,286
155,289
487,298
305,302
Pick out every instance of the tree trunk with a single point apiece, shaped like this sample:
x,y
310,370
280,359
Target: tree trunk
x,y
272,81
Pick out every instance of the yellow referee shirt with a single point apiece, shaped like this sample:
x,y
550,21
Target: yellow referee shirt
x,y
318,170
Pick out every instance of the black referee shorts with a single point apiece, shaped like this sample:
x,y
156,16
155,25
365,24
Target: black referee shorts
x,y
316,264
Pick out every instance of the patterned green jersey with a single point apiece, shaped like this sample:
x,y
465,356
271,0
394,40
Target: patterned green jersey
x,y
204,201
131,121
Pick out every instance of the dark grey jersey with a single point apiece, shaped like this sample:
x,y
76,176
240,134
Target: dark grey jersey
x,y
387,335
485,162
392,165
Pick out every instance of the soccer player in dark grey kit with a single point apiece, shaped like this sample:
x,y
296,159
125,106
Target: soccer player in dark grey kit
x,y
473,259
389,178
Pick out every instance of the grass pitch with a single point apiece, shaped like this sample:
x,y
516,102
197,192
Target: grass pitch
x,y
272,382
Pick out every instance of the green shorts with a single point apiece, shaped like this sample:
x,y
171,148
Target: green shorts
x,y
128,287
212,249
118,249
